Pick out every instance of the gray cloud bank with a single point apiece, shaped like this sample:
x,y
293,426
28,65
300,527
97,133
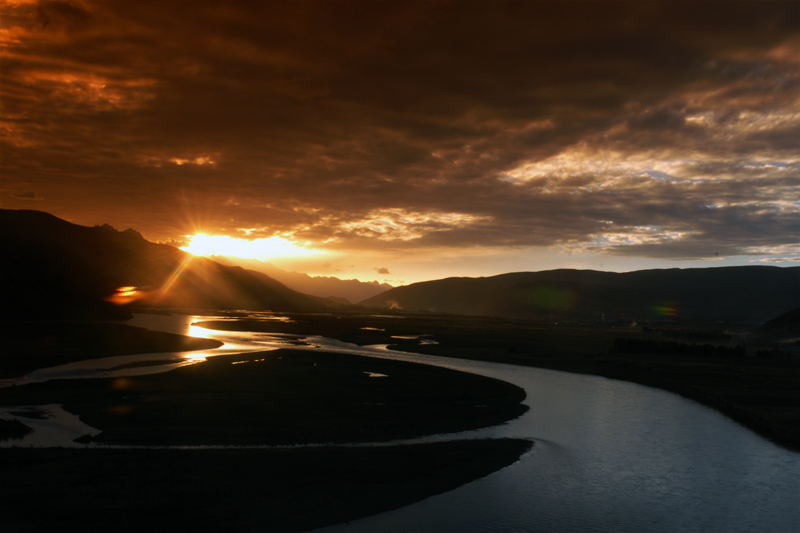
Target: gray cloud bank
x,y
665,130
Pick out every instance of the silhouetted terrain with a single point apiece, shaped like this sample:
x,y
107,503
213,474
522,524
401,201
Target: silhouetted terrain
x,y
784,328
234,489
351,290
52,268
28,346
752,293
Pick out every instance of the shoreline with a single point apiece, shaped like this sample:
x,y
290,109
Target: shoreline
x,y
280,397
30,346
283,490
382,480
626,371
762,395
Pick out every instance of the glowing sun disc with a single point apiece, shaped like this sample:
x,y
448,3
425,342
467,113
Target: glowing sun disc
x,y
208,245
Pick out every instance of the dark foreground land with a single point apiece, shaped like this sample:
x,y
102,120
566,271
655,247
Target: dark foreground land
x,y
281,397
231,490
292,396
747,384
28,346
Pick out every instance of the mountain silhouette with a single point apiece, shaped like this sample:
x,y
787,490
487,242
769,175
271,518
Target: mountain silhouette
x,y
53,268
783,328
749,293
332,287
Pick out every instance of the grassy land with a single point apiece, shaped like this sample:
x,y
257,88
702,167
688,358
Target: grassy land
x,y
231,490
28,346
290,396
280,397
762,394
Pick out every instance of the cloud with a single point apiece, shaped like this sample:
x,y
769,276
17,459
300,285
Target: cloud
x,y
26,195
382,270
656,129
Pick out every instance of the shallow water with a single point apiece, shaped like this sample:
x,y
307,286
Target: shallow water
x,y
50,424
108,367
609,456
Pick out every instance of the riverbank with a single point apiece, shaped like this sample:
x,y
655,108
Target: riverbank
x,y
233,490
28,346
762,394
280,397
762,397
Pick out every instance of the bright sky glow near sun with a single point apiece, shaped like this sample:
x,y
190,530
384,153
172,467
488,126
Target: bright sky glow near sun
x,y
404,141
262,249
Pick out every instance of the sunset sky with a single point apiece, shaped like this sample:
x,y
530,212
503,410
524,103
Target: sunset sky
x,y
404,141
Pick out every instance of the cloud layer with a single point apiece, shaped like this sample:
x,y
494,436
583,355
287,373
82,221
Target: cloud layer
x,y
664,130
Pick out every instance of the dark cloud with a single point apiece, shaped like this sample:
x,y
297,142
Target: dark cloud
x,y
381,270
606,126
64,13
26,195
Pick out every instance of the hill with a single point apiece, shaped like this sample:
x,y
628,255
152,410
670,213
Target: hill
x,y
351,290
52,268
751,293
784,328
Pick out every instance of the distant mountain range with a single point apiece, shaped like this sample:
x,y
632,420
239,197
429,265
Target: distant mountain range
x,y
351,290
52,268
750,293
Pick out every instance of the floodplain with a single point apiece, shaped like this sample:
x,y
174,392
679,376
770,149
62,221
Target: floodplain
x,y
228,429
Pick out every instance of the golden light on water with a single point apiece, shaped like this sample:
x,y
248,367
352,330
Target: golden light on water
x,y
198,332
270,248
124,295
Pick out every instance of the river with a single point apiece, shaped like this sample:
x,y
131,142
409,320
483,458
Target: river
x,y
609,456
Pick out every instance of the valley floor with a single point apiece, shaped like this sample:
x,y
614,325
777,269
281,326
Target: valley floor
x,y
761,393
281,397
231,490
291,396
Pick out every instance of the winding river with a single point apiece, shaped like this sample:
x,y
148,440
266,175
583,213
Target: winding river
x,y
609,455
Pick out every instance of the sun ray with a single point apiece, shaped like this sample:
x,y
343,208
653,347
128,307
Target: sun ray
x,y
176,274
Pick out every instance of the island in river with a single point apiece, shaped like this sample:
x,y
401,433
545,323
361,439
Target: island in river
x,y
292,396
29,346
284,397
725,366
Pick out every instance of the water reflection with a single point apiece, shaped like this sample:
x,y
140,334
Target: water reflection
x,y
609,456
153,363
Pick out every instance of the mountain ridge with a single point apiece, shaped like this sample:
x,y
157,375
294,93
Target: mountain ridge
x,y
352,290
751,293
54,268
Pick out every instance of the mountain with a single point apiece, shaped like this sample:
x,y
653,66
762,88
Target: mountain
x,y
351,290
52,268
784,328
751,293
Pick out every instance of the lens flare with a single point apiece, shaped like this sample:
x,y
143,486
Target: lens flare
x,y
666,310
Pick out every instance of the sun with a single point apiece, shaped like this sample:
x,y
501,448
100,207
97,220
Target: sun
x,y
263,249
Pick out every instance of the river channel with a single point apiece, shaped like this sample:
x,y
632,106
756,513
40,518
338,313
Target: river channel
x,y
609,456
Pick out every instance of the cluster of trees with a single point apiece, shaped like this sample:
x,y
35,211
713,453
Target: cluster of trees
x,y
660,347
